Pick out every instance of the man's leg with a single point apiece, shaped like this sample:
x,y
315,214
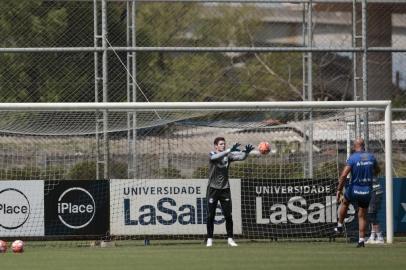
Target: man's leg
x,y
362,221
343,209
376,236
226,206
372,218
362,225
342,212
212,201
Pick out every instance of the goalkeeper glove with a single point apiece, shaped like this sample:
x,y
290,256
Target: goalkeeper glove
x,y
235,148
248,148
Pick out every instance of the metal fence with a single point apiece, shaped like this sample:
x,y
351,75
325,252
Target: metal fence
x,y
275,50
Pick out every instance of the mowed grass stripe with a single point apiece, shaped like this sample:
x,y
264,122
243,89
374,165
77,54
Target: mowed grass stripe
x,y
326,256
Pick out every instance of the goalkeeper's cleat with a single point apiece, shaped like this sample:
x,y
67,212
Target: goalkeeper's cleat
x,y
361,244
231,243
209,242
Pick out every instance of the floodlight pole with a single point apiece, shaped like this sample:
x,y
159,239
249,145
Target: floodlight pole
x,y
131,89
356,78
310,86
307,32
365,70
102,147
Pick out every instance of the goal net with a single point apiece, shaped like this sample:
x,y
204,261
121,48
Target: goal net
x,y
139,171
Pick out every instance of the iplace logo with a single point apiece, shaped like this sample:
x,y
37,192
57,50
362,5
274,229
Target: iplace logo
x,y
76,208
14,208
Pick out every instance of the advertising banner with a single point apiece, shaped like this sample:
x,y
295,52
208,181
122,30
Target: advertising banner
x,y
166,207
77,208
22,208
290,207
399,205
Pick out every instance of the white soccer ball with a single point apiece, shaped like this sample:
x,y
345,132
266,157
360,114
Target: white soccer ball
x,y
17,246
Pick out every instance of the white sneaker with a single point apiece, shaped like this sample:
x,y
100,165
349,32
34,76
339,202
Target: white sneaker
x,y
209,242
371,240
380,240
231,243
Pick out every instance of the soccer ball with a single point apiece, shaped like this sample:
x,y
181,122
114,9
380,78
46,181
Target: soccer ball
x,y
3,246
264,148
17,246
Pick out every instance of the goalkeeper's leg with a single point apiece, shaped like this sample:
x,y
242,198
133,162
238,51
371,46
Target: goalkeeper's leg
x,y
211,212
226,206
212,202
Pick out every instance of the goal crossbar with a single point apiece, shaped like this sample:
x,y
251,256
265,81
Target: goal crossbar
x,y
138,106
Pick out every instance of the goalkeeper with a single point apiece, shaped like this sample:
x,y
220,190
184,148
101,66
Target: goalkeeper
x,y
218,188
363,167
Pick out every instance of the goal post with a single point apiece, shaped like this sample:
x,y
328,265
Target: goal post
x,y
163,129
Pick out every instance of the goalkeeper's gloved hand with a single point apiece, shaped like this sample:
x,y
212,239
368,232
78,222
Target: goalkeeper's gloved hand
x,y
248,148
235,147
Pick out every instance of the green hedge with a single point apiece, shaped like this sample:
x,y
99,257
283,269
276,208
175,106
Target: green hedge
x,y
86,170
32,173
169,172
289,170
293,170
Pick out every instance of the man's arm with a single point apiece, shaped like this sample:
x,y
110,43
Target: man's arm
x,y
241,155
214,156
237,156
341,181
234,148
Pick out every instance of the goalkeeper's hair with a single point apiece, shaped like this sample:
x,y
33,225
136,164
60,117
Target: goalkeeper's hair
x,y
217,139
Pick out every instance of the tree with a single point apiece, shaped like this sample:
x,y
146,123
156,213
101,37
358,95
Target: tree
x,y
212,76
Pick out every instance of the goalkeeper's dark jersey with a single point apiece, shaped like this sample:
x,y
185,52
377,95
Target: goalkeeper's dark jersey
x,y
218,167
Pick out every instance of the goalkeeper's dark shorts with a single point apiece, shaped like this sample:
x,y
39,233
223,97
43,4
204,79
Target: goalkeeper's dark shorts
x,y
214,195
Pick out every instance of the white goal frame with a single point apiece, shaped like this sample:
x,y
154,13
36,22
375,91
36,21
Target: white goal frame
x,y
168,106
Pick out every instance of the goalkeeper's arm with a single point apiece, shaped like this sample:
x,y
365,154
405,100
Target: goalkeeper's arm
x,y
233,149
241,155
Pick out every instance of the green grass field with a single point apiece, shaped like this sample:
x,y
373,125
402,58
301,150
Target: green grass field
x,y
249,255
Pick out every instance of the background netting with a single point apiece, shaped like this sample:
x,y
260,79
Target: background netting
x,y
59,146
289,193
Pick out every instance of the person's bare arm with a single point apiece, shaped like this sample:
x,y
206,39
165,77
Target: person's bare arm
x,y
341,181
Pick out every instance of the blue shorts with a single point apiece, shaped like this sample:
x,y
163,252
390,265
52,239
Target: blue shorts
x,y
360,195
